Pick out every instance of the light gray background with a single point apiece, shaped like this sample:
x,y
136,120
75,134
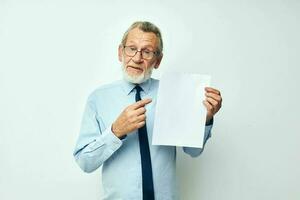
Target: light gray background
x,y
54,53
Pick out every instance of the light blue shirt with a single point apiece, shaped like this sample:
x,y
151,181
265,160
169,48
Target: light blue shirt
x,y
120,159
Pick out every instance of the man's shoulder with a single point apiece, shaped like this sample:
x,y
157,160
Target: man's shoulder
x,y
109,86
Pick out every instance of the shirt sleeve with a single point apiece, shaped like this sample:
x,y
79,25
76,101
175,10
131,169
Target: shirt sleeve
x,y
194,152
94,145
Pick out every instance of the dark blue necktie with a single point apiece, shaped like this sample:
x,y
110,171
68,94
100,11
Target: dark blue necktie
x,y
148,191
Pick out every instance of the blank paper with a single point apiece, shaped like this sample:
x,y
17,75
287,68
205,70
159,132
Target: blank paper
x,y
180,114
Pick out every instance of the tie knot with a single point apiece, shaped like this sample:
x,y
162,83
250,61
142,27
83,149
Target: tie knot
x,y
138,94
138,89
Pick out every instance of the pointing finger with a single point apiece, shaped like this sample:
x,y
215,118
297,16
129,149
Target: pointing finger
x,y
141,103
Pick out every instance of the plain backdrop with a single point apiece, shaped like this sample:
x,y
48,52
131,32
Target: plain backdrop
x,y
54,53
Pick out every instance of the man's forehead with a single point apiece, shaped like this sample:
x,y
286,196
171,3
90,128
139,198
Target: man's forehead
x,y
137,36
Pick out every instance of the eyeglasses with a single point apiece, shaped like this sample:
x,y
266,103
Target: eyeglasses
x,y
146,54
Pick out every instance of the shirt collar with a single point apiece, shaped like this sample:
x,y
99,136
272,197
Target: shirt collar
x,y
129,87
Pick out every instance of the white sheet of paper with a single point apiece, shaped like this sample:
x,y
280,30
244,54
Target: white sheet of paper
x,y
180,114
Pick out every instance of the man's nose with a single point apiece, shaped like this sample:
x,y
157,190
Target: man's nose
x,y
138,57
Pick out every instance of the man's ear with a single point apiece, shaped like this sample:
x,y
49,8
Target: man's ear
x,y
158,61
120,53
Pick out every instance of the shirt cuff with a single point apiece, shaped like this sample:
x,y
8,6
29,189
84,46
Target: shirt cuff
x,y
111,140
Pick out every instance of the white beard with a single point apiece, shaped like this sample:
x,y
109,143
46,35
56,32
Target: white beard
x,y
139,78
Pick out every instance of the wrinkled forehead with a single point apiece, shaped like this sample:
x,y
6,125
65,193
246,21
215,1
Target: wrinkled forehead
x,y
140,38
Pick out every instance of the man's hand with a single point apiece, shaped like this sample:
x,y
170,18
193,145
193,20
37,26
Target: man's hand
x,y
132,118
213,102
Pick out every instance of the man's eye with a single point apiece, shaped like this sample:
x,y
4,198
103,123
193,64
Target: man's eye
x,y
147,51
132,48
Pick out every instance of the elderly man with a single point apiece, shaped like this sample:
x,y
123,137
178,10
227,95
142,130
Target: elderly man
x,y
118,120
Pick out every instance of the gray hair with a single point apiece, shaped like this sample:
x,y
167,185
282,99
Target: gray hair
x,y
147,27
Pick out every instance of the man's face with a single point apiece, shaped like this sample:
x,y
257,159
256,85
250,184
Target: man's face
x,y
136,69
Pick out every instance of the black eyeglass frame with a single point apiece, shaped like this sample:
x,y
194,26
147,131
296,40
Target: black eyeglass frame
x,y
155,53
